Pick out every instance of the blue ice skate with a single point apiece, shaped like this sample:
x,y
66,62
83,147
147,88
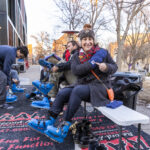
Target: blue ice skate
x,y
58,134
11,98
37,92
43,87
27,96
33,94
16,89
45,103
40,125
45,63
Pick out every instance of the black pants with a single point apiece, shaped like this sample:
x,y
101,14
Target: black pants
x,y
3,84
72,96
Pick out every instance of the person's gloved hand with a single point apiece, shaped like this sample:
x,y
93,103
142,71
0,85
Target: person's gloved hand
x,y
98,57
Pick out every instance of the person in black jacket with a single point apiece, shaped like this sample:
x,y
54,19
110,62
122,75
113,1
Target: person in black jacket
x,y
87,88
59,72
8,56
72,46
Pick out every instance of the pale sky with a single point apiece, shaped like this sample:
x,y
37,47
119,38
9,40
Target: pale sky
x,y
42,15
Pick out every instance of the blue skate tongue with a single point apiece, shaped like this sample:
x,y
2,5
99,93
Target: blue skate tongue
x,y
114,104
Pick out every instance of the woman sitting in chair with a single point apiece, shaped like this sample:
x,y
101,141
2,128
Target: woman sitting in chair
x,y
88,88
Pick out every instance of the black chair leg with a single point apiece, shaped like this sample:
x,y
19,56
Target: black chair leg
x,y
85,109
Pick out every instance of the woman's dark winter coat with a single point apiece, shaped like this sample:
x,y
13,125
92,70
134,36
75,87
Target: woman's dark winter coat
x,y
98,94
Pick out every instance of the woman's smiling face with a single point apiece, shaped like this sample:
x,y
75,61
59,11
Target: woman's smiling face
x,y
87,43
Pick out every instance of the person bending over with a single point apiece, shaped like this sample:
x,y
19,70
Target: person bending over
x,y
8,55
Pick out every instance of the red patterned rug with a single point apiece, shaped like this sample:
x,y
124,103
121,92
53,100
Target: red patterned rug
x,y
16,135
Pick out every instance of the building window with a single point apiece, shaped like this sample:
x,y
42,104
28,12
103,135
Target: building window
x,y
19,2
16,38
10,35
25,21
24,36
19,42
11,10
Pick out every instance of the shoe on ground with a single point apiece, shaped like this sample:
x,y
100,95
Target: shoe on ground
x,y
61,113
6,106
16,89
44,104
45,101
11,98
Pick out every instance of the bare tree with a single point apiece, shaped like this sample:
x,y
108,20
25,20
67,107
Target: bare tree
x,y
138,40
123,12
71,14
96,14
43,44
75,13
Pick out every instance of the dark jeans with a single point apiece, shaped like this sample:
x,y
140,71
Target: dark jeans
x,y
72,96
3,84
14,74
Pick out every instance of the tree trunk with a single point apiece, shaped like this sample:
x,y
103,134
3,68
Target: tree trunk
x,y
119,55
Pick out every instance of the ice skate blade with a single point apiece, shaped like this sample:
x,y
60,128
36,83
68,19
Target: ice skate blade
x,y
40,107
53,138
37,130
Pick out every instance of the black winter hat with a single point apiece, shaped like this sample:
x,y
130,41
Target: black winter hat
x,y
86,33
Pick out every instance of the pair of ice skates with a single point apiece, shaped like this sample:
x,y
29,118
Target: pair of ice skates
x,y
10,98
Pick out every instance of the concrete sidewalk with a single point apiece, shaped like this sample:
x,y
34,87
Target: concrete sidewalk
x,y
33,73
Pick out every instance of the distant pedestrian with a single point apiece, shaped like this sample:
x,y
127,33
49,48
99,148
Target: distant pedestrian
x,y
137,66
146,68
129,67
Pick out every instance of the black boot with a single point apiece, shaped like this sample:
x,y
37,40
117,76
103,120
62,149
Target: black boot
x,y
86,134
94,145
78,133
83,133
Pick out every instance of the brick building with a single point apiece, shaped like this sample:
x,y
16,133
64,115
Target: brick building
x,y
59,45
13,23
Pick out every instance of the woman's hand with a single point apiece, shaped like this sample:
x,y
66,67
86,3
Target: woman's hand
x,y
7,87
102,66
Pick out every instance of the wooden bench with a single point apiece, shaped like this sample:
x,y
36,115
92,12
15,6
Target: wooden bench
x,y
124,116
